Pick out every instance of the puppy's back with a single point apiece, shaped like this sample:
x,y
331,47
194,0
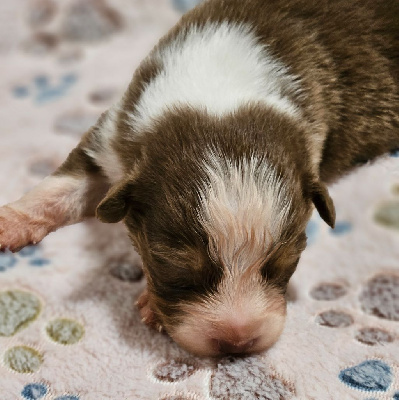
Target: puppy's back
x,y
341,59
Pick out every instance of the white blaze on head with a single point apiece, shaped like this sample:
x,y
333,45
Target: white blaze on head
x,y
244,206
243,209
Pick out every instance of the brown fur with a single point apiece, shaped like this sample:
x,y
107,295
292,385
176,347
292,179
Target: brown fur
x,y
345,56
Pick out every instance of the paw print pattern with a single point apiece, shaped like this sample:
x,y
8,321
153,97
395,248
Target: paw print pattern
x,y
86,21
380,298
175,370
370,375
7,260
314,227
341,227
37,391
65,331
328,291
23,359
43,90
331,318
237,379
373,336
232,378
387,214
334,319
34,391
17,310
33,255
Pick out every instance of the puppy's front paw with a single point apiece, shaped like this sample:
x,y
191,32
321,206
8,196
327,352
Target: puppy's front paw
x,y
148,316
18,229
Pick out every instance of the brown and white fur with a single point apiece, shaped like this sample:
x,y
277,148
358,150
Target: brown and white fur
x,y
219,150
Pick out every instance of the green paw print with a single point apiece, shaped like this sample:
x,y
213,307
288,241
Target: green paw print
x,y
19,309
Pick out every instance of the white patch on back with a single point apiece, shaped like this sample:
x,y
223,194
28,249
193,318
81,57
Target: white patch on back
x,y
243,209
217,68
105,155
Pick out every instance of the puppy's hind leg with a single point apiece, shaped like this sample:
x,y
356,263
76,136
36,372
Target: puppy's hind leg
x,y
68,196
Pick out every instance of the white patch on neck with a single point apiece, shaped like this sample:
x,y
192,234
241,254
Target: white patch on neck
x,y
104,153
217,68
243,209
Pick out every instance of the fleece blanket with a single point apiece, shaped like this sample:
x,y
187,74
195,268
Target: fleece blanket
x,y
68,326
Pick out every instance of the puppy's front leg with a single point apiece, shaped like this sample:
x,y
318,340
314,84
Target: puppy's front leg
x,y
66,197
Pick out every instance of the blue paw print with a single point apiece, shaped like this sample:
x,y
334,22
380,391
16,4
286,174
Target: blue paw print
x,y
32,253
43,90
369,376
39,262
7,260
36,391
28,251
315,223
341,227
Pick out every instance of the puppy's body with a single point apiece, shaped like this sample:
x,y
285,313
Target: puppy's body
x,y
218,151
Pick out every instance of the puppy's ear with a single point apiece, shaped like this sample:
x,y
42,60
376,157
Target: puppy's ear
x,y
323,203
115,205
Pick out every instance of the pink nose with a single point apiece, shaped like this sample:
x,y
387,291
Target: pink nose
x,y
235,347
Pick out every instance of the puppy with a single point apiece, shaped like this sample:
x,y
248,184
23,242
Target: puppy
x,y
218,151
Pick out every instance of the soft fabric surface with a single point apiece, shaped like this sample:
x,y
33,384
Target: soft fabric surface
x,y
68,326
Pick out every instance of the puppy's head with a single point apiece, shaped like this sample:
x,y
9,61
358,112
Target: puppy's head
x,y
217,256
220,231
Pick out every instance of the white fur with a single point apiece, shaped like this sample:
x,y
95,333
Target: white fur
x,y
105,155
55,202
244,207
64,198
217,68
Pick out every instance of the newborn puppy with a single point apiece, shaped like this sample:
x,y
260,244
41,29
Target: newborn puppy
x,y
218,151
